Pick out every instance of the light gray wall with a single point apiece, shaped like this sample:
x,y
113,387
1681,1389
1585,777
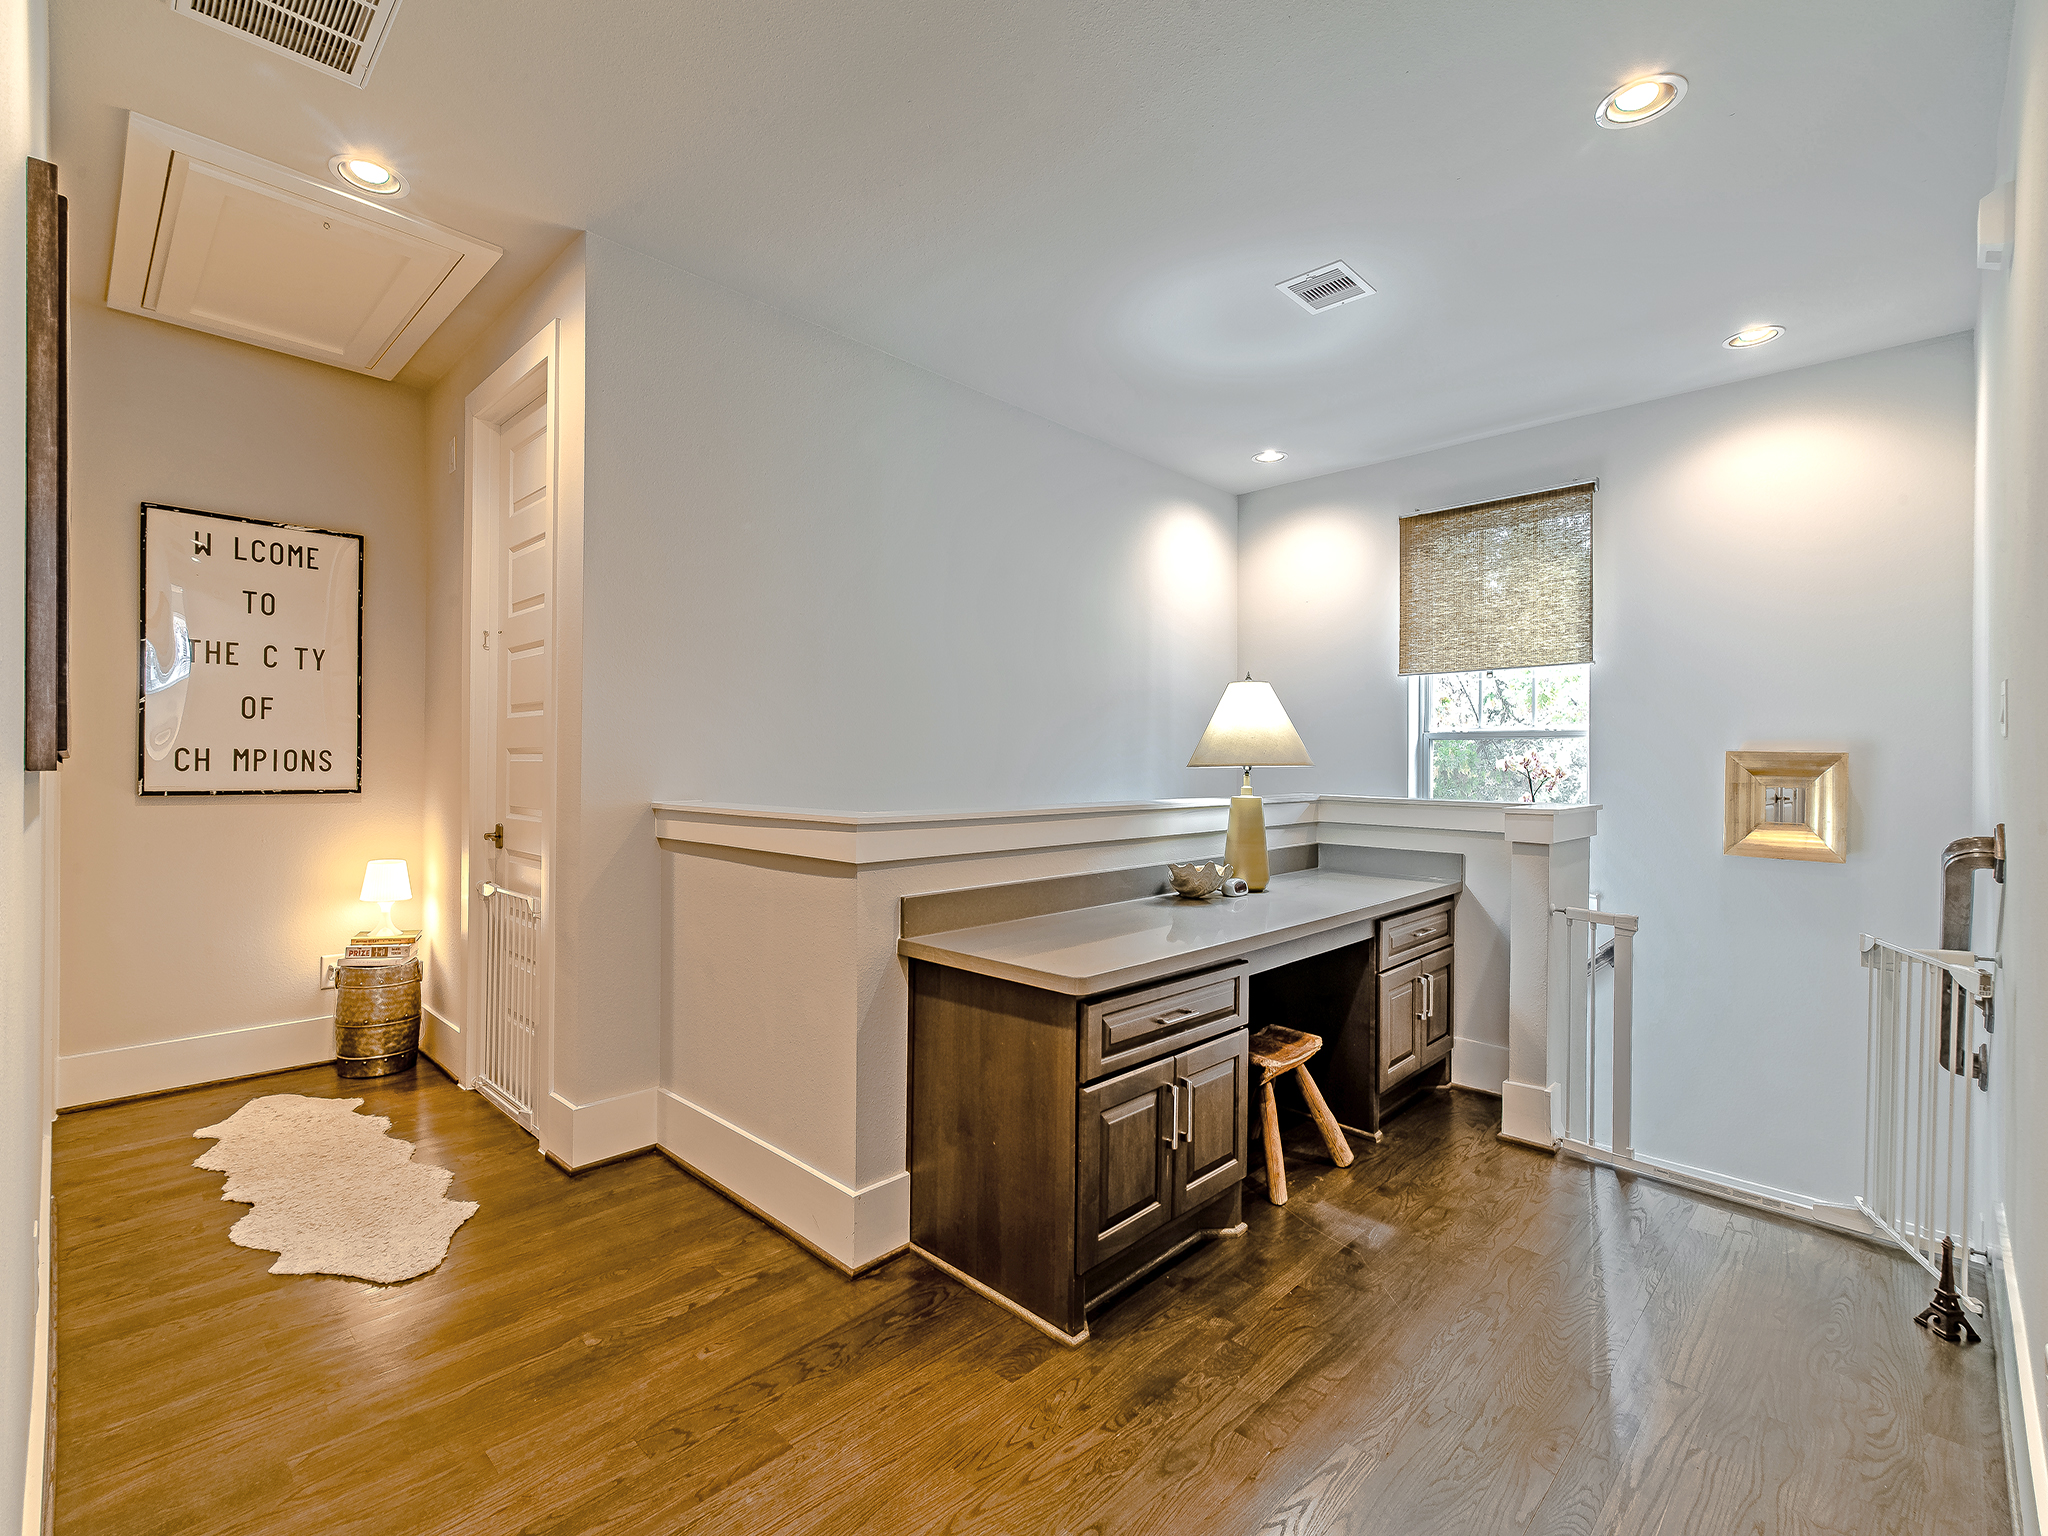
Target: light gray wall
x,y
24,818
556,297
2012,576
195,917
817,576
1781,562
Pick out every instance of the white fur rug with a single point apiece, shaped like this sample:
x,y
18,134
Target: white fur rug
x,y
333,1195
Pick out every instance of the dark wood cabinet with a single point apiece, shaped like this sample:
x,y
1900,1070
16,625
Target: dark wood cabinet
x,y
1383,1009
1126,1164
1215,1100
1400,1024
1060,1146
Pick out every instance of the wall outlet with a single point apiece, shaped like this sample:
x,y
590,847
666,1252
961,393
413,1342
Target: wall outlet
x,y
329,964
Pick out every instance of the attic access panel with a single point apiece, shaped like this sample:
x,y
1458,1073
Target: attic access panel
x,y
220,241
249,261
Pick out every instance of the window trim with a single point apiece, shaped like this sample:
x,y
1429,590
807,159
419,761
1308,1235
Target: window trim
x,y
1420,737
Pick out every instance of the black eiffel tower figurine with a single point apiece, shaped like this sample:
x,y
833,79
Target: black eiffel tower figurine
x,y
1944,1317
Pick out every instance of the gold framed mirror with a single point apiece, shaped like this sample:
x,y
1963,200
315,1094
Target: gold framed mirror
x,y
1787,805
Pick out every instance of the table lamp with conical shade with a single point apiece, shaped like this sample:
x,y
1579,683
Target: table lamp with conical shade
x,y
1249,730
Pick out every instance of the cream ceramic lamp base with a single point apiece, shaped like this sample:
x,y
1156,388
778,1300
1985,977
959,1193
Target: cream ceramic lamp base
x,y
1244,845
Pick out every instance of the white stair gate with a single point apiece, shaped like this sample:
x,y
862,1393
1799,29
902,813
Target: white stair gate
x,y
511,1001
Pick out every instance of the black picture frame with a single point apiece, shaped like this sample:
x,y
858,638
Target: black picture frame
x,y
142,634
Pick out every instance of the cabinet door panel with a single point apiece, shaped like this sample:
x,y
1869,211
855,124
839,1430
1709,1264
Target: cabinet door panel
x,y
1400,1023
1436,1005
1124,1173
1215,1099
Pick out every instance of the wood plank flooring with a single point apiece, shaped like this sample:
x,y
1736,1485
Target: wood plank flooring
x,y
1453,1335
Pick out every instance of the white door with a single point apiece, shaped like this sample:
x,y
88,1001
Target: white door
x,y
518,642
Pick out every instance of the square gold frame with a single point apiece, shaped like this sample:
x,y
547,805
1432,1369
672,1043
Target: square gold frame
x,y
1824,776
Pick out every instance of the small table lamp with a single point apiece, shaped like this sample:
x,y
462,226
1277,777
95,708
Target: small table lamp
x,y
1249,729
384,881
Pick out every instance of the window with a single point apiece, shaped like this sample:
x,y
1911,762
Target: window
x,y
1509,734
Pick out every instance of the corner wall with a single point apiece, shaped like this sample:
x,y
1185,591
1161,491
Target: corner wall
x,y
194,928
1782,562
26,835
2012,579
556,296
817,576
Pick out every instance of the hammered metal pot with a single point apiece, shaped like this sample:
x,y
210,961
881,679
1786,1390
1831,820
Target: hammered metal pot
x,y
377,1019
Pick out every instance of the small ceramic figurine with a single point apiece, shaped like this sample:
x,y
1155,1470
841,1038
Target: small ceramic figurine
x,y
1197,882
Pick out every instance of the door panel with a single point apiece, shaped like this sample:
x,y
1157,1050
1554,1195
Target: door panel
x,y
1436,1006
1124,1161
1400,1022
522,647
1215,1099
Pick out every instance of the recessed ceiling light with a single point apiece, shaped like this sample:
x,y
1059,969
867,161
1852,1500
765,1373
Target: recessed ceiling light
x,y
1754,336
1640,100
1270,456
368,176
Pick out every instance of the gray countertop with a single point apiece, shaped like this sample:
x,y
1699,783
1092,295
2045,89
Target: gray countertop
x,y
1099,949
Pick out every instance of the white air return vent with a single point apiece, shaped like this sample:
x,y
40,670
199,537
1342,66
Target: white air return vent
x,y
336,37
1325,288
220,241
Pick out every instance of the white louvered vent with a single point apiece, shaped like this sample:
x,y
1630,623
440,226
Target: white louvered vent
x,y
336,37
1326,287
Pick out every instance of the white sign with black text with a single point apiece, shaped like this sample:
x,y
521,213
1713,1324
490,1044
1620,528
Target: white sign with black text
x,y
251,657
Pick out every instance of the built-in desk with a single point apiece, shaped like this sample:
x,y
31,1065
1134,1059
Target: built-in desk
x,y
1098,949
1080,1078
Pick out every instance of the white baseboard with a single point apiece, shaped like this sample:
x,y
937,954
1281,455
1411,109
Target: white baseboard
x,y
441,1042
851,1227
1840,1218
1479,1064
597,1132
36,1473
1525,1114
94,1077
2029,1457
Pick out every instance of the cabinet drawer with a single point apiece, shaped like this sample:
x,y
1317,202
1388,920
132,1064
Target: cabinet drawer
x,y
1414,933
1133,1027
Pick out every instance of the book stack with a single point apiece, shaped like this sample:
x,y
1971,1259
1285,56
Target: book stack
x,y
392,949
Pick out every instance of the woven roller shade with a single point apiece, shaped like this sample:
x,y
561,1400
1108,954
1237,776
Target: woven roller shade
x,y
1500,584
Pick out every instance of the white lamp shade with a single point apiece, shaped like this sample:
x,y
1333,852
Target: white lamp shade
x,y
385,880
1248,729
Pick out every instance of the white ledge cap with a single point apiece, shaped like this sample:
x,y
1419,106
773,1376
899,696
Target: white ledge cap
x,y
878,837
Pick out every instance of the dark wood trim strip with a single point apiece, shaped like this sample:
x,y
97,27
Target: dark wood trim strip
x,y
43,650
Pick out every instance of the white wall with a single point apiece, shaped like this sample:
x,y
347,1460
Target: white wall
x,y
1781,562
203,921
2012,554
817,576
556,297
25,800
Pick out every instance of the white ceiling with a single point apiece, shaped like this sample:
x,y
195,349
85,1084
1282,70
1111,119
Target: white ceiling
x,y
1082,206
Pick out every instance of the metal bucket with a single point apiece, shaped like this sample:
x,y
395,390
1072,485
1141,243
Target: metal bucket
x,y
377,1019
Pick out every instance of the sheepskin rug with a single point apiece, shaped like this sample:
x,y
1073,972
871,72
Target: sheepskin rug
x,y
333,1194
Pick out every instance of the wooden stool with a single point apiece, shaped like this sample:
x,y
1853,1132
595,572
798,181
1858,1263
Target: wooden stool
x,y
1278,1052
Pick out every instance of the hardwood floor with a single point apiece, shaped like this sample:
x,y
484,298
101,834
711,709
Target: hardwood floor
x,y
1453,1335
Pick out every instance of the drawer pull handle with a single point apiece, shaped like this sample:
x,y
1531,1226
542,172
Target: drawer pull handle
x,y
1421,933
1174,1015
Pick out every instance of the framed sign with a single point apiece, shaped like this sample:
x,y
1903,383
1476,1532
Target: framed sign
x,y
251,657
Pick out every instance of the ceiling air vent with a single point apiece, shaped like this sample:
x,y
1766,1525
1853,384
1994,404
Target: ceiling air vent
x,y
1325,288
336,37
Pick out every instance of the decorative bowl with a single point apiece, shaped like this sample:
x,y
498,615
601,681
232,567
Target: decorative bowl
x,y
1197,881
